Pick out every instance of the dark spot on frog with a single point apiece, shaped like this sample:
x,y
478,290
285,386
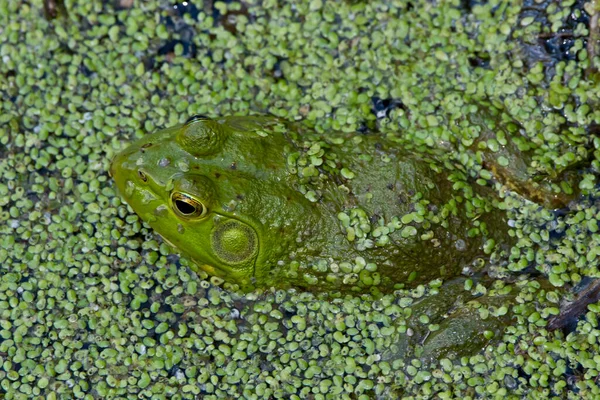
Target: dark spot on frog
x,y
217,175
145,146
240,197
233,166
390,186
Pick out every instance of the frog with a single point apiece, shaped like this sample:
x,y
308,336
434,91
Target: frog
x,y
260,202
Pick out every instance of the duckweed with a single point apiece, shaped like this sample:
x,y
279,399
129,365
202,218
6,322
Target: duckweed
x,y
93,304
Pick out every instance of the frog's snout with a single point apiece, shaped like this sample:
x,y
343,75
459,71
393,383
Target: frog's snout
x,y
118,168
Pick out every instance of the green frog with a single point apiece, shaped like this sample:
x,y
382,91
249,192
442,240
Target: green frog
x,y
263,202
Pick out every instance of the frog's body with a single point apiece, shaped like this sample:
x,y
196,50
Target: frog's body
x,y
261,202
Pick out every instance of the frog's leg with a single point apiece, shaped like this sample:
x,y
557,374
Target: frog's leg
x,y
466,323
461,328
509,162
465,331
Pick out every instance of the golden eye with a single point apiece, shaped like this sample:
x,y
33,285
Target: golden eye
x,y
186,206
142,176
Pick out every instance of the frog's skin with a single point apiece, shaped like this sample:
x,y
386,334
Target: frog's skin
x,y
262,202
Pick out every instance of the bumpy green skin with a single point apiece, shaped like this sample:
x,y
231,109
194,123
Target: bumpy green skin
x,y
263,202
284,206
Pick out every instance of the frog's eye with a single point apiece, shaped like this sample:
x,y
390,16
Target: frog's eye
x,y
186,206
200,136
197,117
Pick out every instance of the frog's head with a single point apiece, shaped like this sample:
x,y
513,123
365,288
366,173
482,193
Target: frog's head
x,y
218,190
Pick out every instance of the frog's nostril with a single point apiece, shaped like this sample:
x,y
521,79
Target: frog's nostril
x,y
142,176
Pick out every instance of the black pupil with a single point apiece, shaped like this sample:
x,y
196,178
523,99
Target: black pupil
x,y
185,208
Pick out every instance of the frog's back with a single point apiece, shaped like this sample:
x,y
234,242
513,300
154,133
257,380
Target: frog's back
x,y
305,204
414,216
